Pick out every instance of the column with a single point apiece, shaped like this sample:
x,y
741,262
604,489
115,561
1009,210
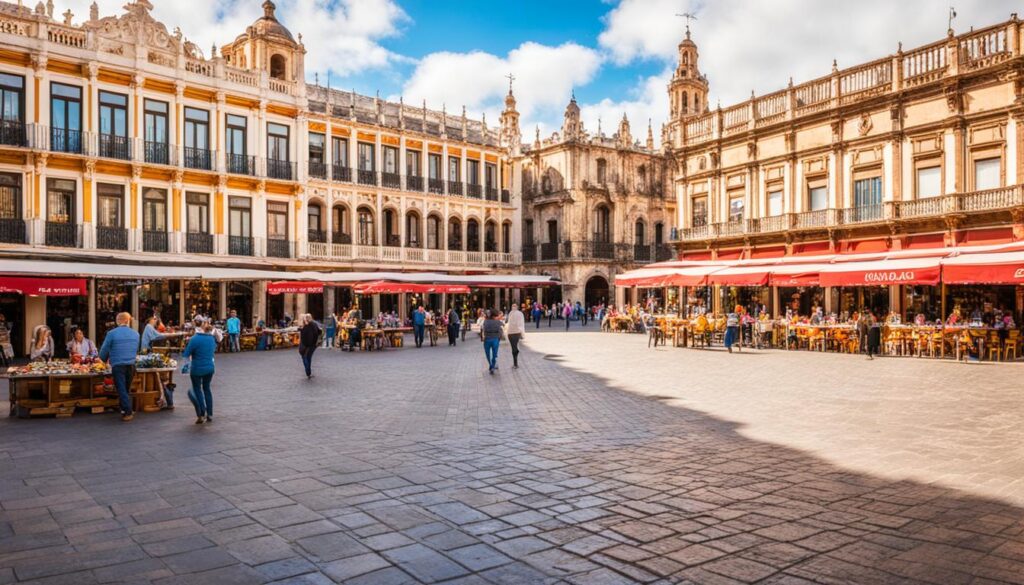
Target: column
x,y
181,301
177,244
328,299
92,309
259,301
222,300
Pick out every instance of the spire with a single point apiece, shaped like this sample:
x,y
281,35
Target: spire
x,y
650,135
268,9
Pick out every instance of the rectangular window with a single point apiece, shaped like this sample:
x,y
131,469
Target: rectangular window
x,y
197,212
339,151
528,232
818,197
699,212
235,134
929,182
412,163
736,208
434,166
155,130
277,220
473,172
986,174
867,192
12,98
109,203
774,203
197,129
240,217
65,118
367,160
10,196
154,210
316,148
453,169
277,142
60,200
113,114
552,231
490,176
390,154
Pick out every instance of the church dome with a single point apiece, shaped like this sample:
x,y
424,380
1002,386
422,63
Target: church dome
x,y
268,25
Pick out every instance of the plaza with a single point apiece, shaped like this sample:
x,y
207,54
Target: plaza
x,y
599,460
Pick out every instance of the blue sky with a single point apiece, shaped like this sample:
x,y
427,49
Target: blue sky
x,y
617,55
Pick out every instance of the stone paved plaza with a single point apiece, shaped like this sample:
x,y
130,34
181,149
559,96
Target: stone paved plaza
x,y
599,461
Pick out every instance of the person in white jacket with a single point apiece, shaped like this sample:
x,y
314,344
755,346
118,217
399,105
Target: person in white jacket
x,y
515,329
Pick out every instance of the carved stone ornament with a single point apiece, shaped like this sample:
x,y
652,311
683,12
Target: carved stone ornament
x,y
137,25
702,163
865,124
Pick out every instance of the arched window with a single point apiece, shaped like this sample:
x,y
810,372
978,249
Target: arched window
x,y
686,58
506,237
278,67
602,171
659,233
696,103
602,224
641,178
639,230
434,232
390,226
367,234
473,235
341,230
412,230
454,234
491,237
316,223
684,105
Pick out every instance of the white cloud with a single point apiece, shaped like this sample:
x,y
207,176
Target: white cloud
x,y
544,78
647,101
341,35
754,44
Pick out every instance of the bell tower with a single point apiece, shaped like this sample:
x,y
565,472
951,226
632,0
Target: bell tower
x,y
688,90
571,127
511,137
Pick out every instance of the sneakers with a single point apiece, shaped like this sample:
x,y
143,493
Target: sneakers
x,y
200,420
491,370
209,420
127,417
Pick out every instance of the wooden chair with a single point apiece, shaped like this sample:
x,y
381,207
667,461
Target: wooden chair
x,y
1012,341
995,349
655,334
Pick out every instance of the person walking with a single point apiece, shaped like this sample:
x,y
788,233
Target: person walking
x,y
567,313
515,330
419,325
874,336
454,324
200,350
330,329
537,313
119,349
583,315
309,339
234,329
491,330
732,326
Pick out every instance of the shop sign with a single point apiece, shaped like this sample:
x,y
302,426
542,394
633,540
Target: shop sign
x,y
48,287
889,277
1019,273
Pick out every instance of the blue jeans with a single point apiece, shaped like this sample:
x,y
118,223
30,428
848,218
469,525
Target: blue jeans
x,y
329,337
491,351
418,331
536,317
730,335
307,359
233,342
200,394
123,382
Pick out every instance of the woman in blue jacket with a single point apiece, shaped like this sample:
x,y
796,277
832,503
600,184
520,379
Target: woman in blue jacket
x,y
200,350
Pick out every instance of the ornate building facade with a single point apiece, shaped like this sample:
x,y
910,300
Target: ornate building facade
x,y
918,149
593,206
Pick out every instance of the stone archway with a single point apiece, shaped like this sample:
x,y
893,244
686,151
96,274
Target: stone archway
x,y
596,291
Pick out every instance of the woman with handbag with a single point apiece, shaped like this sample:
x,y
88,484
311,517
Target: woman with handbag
x,y
200,350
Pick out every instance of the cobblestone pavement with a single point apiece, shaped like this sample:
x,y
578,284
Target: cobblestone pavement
x,y
599,461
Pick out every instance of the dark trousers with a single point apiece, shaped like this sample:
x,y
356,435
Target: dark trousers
x,y
453,333
536,317
583,317
123,376
567,323
200,394
418,334
307,358
550,317
513,341
491,351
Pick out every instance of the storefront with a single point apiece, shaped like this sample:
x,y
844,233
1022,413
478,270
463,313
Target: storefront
x,y
202,297
160,298
112,296
59,303
240,300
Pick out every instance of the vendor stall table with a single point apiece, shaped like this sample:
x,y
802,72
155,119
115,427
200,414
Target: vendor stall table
x,y
60,394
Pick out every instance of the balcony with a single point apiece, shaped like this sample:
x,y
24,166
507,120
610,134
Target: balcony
x,y
506,196
154,241
198,243
549,251
341,238
317,170
642,253
63,235
491,193
862,214
474,190
319,236
663,253
393,255
280,169
279,248
113,146
341,173
392,240
66,140
367,177
198,158
111,238
435,186
413,183
240,246
13,231
12,133
241,164
455,187
529,252
592,250
157,153
391,180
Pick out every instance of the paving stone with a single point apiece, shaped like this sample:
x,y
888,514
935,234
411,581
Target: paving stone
x,y
478,557
330,547
424,563
352,567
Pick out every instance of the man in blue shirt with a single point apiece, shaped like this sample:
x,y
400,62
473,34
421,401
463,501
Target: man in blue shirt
x,y
119,350
419,322
234,326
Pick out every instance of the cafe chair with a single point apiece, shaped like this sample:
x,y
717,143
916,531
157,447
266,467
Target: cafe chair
x,y
1012,341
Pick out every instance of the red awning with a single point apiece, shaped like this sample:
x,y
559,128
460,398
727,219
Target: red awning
x,y
741,276
47,287
385,287
923,271
294,287
669,276
1006,268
